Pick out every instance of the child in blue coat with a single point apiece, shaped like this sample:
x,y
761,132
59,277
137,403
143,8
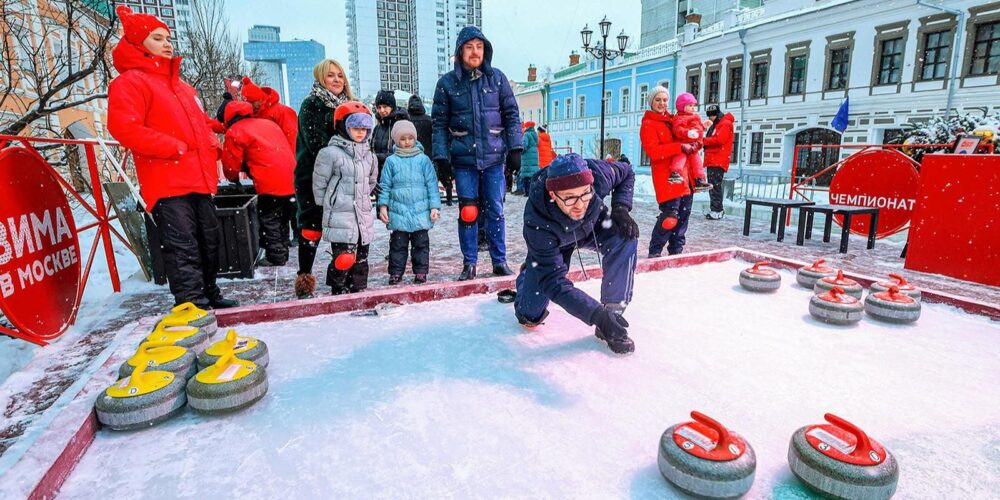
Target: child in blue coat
x,y
409,203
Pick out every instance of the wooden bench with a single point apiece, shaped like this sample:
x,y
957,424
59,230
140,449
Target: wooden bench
x,y
779,213
807,213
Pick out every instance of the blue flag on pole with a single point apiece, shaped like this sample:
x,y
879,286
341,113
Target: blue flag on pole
x,y
839,122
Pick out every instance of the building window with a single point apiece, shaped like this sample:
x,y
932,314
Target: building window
x,y
555,110
694,85
569,103
734,156
643,94
756,147
760,80
625,103
735,87
890,61
937,49
840,67
986,50
581,110
606,102
797,75
713,87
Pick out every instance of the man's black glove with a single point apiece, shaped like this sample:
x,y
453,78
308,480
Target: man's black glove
x,y
612,324
513,162
444,170
624,222
377,190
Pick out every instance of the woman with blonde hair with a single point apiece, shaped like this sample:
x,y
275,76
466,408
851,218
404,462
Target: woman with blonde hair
x,y
331,89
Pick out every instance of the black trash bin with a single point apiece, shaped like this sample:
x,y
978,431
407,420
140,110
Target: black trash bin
x,y
238,239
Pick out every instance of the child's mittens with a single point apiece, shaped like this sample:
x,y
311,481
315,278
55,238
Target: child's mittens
x,y
694,134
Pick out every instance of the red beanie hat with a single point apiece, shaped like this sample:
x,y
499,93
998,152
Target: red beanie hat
x,y
250,91
136,27
236,108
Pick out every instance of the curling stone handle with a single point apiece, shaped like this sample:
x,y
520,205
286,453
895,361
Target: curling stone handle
x,y
757,266
715,425
894,291
900,281
142,361
837,292
818,263
231,339
148,346
185,307
225,359
840,275
864,444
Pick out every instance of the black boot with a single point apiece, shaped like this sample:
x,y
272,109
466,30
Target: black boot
x,y
502,270
468,272
222,303
620,344
527,323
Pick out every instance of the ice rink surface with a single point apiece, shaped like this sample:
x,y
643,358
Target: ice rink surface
x,y
453,399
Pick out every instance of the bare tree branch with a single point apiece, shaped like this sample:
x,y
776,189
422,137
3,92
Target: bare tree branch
x,y
213,52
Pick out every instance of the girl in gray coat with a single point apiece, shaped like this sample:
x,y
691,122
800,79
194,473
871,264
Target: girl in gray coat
x,y
344,178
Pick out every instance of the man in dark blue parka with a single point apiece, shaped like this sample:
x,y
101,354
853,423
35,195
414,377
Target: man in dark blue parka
x,y
566,211
477,130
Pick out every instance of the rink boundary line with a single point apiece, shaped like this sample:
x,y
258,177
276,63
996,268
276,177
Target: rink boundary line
x,y
50,461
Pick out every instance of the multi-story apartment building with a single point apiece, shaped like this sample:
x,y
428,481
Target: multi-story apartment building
x,y
176,14
404,44
286,66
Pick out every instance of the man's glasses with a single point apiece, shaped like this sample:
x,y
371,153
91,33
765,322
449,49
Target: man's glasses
x,y
569,201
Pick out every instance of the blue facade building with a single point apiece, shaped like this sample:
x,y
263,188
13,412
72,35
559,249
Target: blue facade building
x,y
573,102
286,66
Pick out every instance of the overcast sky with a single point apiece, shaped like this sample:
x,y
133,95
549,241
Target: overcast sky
x,y
523,32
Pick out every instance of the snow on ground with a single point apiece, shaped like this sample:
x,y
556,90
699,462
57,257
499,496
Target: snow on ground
x,y
469,404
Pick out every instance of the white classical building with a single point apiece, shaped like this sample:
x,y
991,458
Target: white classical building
x,y
892,59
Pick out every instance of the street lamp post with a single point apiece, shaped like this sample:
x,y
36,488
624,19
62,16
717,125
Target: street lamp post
x,y
604,54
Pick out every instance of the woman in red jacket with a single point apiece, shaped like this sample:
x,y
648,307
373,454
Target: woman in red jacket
x,y
160,119
674,198
718,149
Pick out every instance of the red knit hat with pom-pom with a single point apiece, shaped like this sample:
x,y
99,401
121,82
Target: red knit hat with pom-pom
x,y
136,27
251,92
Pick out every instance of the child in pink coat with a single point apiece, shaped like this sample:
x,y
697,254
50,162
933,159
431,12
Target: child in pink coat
x,y
688,128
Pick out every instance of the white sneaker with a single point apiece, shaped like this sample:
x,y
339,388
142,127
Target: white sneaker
x,y
715,215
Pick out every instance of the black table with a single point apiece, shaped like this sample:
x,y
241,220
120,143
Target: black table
x,y
779,210
807,213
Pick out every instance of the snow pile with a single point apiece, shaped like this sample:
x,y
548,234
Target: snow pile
x,y
468,404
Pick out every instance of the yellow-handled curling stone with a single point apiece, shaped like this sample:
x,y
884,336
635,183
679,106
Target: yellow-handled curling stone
x,y
161,356
191,337
142,399
245,348
189,314
704,459
840,461
230,384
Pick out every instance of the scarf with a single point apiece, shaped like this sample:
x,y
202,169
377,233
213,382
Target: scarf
x,y
711,130
331,101
407,152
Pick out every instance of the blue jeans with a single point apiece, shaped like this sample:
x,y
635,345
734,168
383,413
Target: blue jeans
x,y
618,263
487,187
674,238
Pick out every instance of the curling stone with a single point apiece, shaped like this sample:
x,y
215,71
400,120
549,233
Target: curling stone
x,y
841,461
190,337
756,279
161,356
899,282
190,315
704,459
230,384
142,399
849,286
836,307
245,348
807,275
892,306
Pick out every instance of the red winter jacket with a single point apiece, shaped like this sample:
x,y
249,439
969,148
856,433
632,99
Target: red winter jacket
x,y
719,145
159,118
286,118
658,143
259,145
545,152
687,127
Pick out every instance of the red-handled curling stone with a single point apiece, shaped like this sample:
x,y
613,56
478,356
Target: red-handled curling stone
x,y
892,306
758,279
839,460
836,307
849,286
899,282
344,261
807,275
705,459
